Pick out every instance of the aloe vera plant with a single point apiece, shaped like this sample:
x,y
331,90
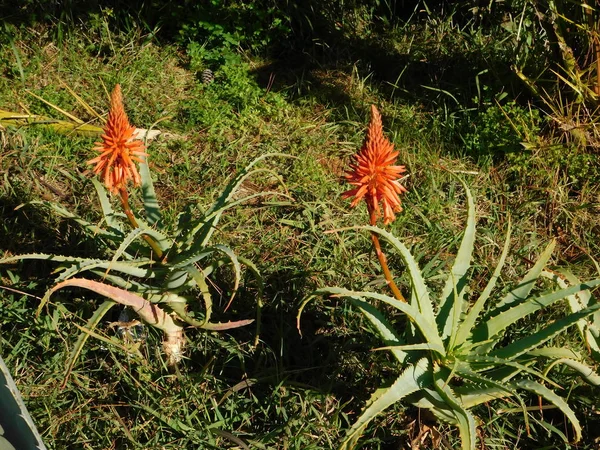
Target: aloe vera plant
x,y
165,290
452,354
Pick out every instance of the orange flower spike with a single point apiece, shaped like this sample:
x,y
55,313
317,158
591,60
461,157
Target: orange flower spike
x,y
374,175
119,151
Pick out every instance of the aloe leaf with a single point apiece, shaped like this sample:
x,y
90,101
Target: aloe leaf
x,y
200,279
236,267
589,329
452,297
465,420
414,378
468,323
382,326
149,199
534,340
428,330
131,237
129,284
465,371
493,326
18,424
221,326
91,228
129,268
107,210
504,373
45,257
83,337
177,304
419,289
475,396
164,242
178,279
407,347
586,372
179,308
472,396
493,361
213,215
149,312
429,398
385,330
197,236
554,352
82,264
182,260
173,340
79,267
553,398
521,292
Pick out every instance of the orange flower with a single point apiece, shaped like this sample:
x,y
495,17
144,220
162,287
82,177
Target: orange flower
x,y
118,150
374,176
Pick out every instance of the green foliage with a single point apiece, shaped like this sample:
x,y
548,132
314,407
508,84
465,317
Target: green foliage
x,y
556,48
163,277
458,357
233,97
229,25
501,130
234,84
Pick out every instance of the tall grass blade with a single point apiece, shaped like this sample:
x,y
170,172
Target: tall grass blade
x,y
17,54
83,337
57,108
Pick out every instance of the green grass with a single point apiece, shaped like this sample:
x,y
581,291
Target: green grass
x,y
290,392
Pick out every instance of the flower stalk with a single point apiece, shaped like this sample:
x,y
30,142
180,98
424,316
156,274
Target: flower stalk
x,y
384,265
375,178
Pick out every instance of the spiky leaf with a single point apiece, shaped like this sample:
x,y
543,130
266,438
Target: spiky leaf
x,y
553,398
451,305
414,378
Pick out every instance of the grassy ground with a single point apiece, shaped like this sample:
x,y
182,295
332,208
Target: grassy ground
x,y
290,392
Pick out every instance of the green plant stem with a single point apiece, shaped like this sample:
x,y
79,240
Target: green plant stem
x,y
124,196
383,260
